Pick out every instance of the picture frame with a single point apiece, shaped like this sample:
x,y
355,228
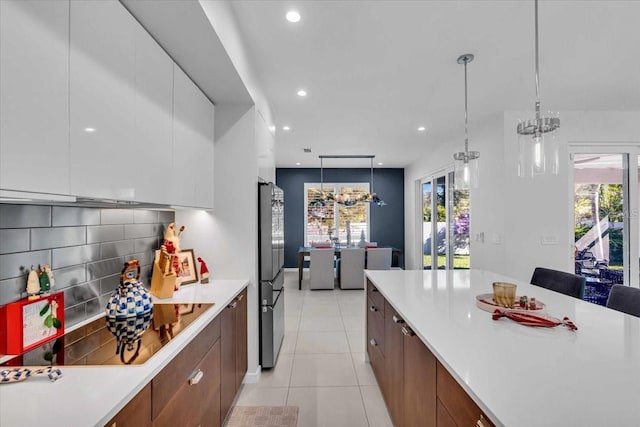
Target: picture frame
x,y
186,308
189,272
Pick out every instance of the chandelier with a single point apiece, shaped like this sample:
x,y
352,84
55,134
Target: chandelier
x,y
537,137
345,199
466,166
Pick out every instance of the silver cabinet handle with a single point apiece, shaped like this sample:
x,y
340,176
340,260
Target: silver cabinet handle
x,y
373,342
233,304
407,331
397,319
240,297
196,377
480,422
373,308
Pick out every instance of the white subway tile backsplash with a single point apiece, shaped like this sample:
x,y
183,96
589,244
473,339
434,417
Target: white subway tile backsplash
x,y
14,240
74,314
146,244
136,231
12,289
57,237
166,217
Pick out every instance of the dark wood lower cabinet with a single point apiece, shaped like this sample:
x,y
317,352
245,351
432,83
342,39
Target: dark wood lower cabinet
x,y
419,382
418,390
393,390
196,403
198,386
233,337
137,413
459,405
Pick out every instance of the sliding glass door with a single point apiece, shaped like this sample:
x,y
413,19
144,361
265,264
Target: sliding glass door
x,y
445,224
605,211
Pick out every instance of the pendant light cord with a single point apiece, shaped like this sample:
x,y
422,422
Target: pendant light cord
x,y
466,122
371,175
537,64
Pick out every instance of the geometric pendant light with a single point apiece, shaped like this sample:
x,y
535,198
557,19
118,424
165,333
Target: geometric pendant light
x,y
466,162
538,137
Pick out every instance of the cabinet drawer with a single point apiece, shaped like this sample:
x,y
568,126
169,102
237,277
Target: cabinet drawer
x,y
176,373
462,409
195,403
443,417
374,294
137,412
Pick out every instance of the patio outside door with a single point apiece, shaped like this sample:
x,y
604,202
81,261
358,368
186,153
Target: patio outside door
x,y
445,224
601,220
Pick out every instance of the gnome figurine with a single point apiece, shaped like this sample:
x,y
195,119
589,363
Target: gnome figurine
x,y
204,271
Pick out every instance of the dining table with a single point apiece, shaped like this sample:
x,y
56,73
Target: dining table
x,y
304,251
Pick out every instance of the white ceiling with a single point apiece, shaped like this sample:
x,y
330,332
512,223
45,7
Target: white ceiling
x,y
376,70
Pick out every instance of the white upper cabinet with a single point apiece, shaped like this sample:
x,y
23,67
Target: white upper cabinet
x,y
104,163
34,96
192,172
153,120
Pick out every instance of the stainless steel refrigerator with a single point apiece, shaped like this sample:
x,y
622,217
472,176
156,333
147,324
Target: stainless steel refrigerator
x,y
271,250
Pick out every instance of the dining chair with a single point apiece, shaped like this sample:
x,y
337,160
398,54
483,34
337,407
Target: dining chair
x,y
378,258
352,268
321,272
559,281
625,299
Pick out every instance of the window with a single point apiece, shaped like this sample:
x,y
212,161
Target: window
x,y
334,221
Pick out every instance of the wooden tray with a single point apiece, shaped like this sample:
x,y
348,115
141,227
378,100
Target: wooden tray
x,y
485,302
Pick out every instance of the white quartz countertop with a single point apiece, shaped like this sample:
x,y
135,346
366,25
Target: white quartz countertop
x,y
520,375
91,396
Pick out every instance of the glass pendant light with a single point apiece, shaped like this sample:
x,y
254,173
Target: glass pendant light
x,y
538,137
466,165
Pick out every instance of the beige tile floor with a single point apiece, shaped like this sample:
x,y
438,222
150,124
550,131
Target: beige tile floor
x,y
321,367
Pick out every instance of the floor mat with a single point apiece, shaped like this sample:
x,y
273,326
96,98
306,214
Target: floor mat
x,y
263,416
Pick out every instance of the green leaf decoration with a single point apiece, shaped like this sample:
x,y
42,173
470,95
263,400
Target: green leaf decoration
x,y
56,323
44,310
48,356
48,322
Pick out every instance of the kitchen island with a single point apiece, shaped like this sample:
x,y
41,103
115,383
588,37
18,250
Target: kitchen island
x,y
92,395
516,375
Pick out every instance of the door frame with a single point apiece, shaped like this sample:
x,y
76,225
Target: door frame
x,y
630,161
432,177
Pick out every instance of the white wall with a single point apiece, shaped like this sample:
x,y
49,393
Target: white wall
x,y
514,213
227,238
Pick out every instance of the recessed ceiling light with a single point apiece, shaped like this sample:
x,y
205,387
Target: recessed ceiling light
x,y
380,163
293,16
286,128
302,92
421,129
272,129
297,163
89,130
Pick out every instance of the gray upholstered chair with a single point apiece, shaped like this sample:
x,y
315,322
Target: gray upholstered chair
x,y
559,281
352,268
378,258
625,299
321,269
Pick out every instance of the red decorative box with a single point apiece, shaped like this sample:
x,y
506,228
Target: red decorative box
x,y
24,323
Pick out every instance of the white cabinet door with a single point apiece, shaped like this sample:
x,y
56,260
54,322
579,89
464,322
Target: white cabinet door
x,y
192,172
153,115
102,99
34,96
